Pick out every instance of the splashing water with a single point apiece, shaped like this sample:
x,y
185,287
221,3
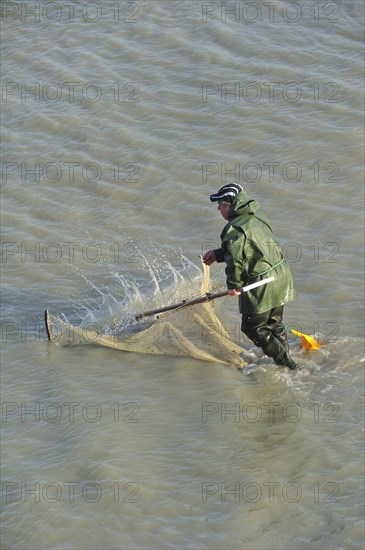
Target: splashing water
x,y
111,298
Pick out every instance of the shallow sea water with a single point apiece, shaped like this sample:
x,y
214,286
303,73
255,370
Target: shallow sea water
x,y
119,120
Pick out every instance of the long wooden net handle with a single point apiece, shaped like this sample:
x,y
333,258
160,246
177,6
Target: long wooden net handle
x,y
201,299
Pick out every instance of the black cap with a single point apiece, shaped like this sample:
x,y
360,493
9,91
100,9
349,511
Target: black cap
x,y
229,190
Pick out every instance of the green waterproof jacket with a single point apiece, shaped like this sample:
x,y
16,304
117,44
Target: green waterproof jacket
x,y
251,254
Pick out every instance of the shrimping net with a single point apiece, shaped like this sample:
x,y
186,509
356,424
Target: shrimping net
x,y
192,331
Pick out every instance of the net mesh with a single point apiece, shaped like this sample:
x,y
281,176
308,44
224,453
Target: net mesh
x,y
193,331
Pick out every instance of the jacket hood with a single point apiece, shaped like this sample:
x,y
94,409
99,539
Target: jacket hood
x,y
242,204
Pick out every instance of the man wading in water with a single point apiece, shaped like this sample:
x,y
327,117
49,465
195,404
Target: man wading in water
x,y
251,254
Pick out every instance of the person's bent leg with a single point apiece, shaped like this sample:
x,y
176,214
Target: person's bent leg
x,y
277,327
259,329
